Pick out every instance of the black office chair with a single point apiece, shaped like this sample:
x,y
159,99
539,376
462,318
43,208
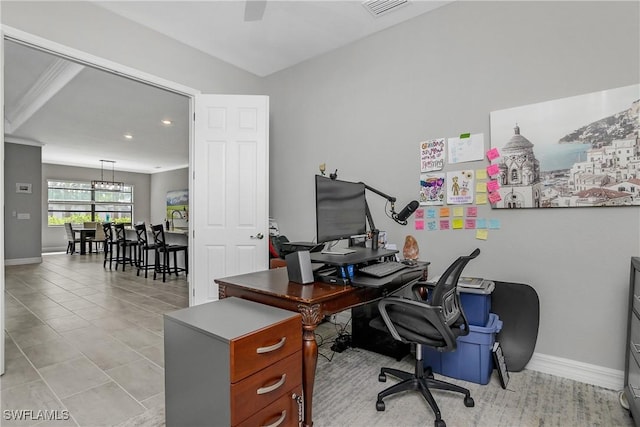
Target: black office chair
x,y
435,323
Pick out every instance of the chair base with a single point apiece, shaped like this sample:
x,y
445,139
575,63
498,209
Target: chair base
x,y
422,382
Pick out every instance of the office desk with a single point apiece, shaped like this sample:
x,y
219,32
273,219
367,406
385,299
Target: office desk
x,y
313,301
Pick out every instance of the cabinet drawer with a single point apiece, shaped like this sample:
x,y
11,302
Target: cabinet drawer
x,y
633,386
634,340
262,388
284,412
252,353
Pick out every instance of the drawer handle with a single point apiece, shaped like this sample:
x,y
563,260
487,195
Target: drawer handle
x,y
279,420
634,391
269,389
279,344
635,346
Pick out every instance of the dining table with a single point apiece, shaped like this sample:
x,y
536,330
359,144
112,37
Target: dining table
x,y
84,233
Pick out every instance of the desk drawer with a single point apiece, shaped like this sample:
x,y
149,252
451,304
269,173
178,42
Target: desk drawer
x,y
264,387
252,353
634,340
284,412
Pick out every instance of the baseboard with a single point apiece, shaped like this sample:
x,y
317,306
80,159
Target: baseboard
x,y
20,261
578,371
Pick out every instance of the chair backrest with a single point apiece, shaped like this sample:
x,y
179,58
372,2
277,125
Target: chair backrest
x,y
141,233
108,231
157,231
445,292
89,224
100,235
120,234
68,228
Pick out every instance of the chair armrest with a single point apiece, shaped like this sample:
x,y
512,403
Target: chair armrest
x,y
432,314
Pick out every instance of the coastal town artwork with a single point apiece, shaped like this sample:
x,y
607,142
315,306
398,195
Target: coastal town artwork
x,y
579,151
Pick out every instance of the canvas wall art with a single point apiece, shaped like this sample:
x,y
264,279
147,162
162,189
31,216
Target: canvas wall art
x,y
579,151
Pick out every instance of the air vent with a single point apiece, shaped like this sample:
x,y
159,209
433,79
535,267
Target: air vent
x,y
382,7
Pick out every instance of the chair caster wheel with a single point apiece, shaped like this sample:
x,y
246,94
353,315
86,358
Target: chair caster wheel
x,y
382,378
440,423
380,405
468,402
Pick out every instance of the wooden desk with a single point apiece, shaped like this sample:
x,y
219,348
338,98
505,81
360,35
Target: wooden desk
x,y
313,301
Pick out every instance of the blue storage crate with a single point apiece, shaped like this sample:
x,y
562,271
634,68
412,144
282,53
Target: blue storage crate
x,y
476,307
473,359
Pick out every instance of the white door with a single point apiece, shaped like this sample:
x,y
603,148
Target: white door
x,y
230,187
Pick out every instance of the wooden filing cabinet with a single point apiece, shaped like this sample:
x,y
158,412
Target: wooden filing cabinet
x,y
632,356
233,362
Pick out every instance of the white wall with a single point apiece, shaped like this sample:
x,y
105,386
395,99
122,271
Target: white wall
x,y
54,238
363,109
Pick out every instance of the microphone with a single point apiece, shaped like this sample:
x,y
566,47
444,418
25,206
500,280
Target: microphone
x,y
405,213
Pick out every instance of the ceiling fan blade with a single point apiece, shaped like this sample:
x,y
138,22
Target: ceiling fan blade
x,y
254,9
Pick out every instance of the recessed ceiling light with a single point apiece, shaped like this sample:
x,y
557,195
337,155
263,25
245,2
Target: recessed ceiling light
x,y
128,136
167,122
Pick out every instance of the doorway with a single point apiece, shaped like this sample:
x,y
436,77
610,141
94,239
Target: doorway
x,y
84,59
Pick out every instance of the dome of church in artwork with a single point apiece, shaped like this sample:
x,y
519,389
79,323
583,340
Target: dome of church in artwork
x,y
517,141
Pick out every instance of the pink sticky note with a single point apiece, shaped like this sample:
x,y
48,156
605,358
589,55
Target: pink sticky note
x,y
493,186
444,224
470,223
472,211
493,169
419,224
494,197
493,154
419,213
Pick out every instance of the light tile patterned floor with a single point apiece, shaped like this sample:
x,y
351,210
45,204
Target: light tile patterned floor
x,y
84,341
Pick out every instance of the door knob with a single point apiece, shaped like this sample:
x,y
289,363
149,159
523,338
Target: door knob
x,y
258,236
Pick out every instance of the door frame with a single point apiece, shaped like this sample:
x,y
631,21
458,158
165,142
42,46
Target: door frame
x,y
33,41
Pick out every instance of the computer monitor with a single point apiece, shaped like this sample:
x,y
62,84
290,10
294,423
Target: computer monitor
x,y
340,209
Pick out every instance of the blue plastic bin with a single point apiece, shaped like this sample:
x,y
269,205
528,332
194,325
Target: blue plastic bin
x,y
476,307
473,359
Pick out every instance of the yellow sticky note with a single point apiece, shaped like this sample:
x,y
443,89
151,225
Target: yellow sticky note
x,y
458,211
444,212
457,223
481,199
481,174
481,187
482,234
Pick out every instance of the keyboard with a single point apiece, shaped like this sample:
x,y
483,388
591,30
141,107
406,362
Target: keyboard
x,y
382,269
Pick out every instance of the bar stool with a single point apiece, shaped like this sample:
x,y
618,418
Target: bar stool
x,y
166,250
127,245
143,250
109,244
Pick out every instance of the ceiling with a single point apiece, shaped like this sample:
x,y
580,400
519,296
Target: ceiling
x,y
80,115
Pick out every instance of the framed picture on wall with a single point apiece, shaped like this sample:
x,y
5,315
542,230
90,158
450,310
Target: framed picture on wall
x,y
581,151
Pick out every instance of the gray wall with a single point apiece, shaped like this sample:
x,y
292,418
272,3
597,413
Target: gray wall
x,y
363,109
161,183
54,238
22,236
92,29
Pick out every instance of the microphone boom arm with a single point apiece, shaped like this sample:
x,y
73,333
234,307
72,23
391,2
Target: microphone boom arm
x,y
391,200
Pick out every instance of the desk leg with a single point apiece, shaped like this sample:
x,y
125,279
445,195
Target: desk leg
x,y
83,243
311,317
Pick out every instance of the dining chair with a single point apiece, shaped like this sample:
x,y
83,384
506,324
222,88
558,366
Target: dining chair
x,y
143,250
109,244
163,252
71,238
98,238
128,247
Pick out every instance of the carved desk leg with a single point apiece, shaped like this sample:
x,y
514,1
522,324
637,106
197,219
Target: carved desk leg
x,y
311,317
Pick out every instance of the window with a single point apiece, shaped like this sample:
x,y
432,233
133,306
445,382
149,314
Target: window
x,y
77,202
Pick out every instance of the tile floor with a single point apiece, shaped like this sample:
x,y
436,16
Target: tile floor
x,y
83,344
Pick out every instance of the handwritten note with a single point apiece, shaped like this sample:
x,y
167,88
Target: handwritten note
x,y
470,223
431,213
493,169
493,185
481,174
457,223
481,199
432,225
466,148
432,155
444,212
493,154
419,214
494,197
472,211
481,187
494,224
481,223
419,224
458,211
444,224
482,234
